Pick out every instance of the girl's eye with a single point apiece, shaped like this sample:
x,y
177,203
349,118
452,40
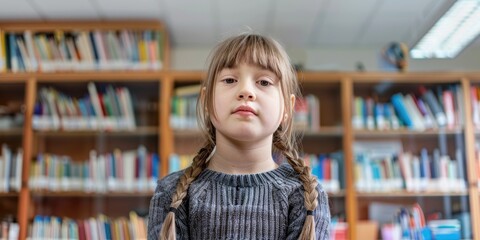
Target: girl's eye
x,y
229,80
265,83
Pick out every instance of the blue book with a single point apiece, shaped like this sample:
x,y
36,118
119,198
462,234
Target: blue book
x,y
113,166
155,166
321,160
108,230
94,46
173,163
424,164
400,108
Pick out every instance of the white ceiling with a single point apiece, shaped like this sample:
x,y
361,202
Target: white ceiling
x,y
300,23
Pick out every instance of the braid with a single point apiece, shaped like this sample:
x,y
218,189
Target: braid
x,y
309,184
199,163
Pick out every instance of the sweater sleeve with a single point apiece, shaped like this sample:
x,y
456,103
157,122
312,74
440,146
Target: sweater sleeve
x,y
297,214
160,204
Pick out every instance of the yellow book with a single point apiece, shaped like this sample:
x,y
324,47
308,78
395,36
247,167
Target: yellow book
x,y
45,46
3,52
135,225
141,49
124,227
115,229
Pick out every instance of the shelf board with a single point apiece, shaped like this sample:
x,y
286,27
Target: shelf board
x,y
327,131
187,76
9,194
187,133
409,194
406,132
9,77
140,131
340,193
81,76
15,132
54,194
113,76
407,77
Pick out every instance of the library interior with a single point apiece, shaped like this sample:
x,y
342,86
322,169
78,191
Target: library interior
x,y
98,103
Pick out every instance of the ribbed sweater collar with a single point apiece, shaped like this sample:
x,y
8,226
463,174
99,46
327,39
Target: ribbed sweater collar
x,y
248,180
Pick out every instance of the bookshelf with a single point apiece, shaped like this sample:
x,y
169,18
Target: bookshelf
x,y
153,90
139,72
337,132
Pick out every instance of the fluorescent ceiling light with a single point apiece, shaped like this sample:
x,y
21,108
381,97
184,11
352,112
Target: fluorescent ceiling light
x,y
452,33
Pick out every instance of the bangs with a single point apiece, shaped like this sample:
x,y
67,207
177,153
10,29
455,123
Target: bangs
x,y
251,49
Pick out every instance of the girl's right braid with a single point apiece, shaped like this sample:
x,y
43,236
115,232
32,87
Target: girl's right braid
x,y
199,162
309,183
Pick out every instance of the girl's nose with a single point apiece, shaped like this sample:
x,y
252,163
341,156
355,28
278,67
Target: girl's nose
x,y
246,93
249,96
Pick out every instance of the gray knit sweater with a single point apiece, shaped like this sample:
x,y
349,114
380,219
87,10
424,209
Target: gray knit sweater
x,y
220,206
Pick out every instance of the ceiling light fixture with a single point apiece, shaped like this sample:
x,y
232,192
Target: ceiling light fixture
x,y
457,28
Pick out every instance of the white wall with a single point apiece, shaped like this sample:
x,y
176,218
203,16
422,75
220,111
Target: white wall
x,y
337,59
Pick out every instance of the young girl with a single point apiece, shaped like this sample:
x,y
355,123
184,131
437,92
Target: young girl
x,y
234,189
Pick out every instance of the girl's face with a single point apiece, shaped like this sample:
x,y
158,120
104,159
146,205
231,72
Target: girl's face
x,y
248,103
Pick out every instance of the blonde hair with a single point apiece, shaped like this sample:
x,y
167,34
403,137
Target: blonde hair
x,y
266,53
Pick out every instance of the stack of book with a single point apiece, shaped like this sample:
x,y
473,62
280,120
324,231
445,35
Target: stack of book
x,y
120,171
9,228
307,113
383,172
10,169
81,50
111,109
327,169
102,227
413,111
178,162
184,104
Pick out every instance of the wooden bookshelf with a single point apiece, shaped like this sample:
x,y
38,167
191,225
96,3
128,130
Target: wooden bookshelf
x,y
335,90
150,87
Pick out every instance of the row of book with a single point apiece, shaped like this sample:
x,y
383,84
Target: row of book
x,y
328,170
9,228
406,171
178,162
109,108
307,113
121,171
81,50
10,169
412,222
101,228
183,107
425,110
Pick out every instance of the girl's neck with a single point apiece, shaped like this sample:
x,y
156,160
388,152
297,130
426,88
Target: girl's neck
x,y
233,157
